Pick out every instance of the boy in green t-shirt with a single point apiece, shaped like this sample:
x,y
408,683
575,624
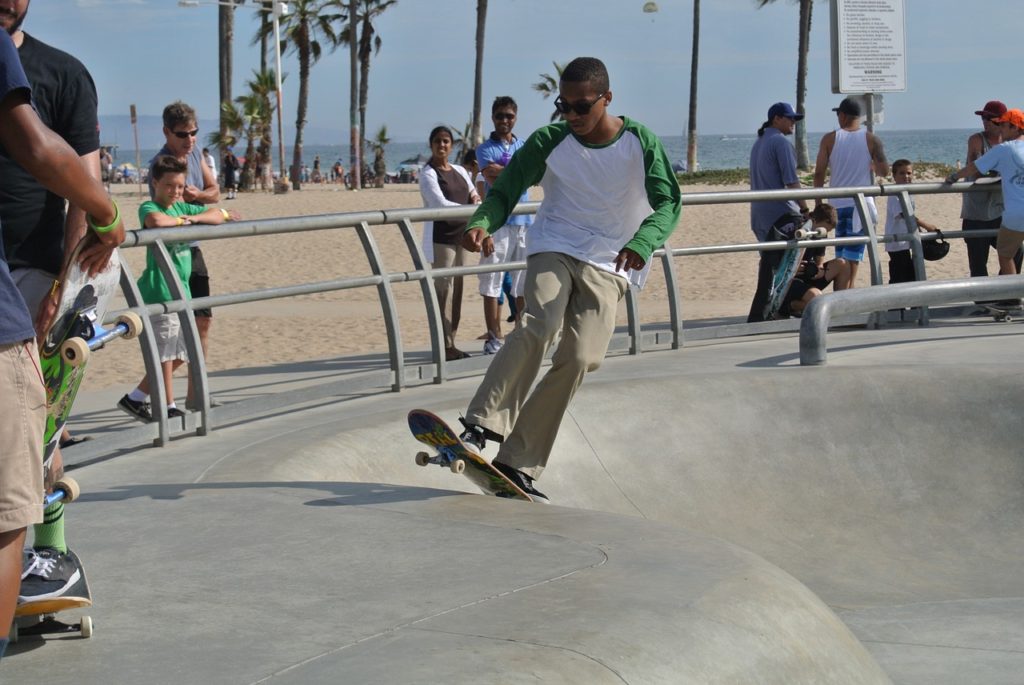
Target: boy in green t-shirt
x,y
167,210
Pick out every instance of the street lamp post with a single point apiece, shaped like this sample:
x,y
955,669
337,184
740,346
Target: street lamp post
x,y
279,9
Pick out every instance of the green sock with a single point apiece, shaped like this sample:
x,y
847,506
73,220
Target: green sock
x,y
50,533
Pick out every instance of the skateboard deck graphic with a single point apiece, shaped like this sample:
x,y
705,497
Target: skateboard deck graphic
x,y
38,617
75,330
787,270
452,453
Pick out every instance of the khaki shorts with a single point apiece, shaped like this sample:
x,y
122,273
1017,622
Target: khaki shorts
x,y
22,420
169,341
1008,242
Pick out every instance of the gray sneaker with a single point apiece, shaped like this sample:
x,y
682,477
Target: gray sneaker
x,y
46,574
493,344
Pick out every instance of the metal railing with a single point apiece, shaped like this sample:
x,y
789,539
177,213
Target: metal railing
x,y
818,315
382,279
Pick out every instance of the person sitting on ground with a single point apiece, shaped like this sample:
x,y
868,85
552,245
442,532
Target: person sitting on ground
x,y
167,210
813,276
443,184
901,264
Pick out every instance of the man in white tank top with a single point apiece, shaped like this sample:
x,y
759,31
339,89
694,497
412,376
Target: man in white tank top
x,y
853,156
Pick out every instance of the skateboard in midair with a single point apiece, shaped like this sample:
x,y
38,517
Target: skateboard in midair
x,y
38,617
75,330
792,258
452,453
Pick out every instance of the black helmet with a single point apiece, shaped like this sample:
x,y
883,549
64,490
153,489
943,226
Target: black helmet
x,y
934,250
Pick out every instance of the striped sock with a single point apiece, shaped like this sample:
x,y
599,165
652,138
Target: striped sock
x,y
50,533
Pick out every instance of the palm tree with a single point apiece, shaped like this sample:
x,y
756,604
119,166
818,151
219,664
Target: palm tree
x,y
691,124
300,32
478,77
355,163
225,43
233,128
369,44
380,166
462,140
548,86
803,159
258,114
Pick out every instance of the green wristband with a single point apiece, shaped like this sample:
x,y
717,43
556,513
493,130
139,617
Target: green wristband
x,y
113,224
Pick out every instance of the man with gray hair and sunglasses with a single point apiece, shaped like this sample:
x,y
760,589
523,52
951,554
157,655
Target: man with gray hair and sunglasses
x,y
610,200
181,138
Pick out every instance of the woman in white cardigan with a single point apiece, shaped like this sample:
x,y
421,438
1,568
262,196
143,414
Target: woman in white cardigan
x,y
443,184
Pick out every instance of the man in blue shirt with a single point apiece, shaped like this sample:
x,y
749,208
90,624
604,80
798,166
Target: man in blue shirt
x,y
772,167
22,398
508,244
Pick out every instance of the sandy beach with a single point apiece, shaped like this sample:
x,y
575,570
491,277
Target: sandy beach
x,y
349,322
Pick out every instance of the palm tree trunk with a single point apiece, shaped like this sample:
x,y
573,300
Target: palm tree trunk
x,y
803,160
264,33
302,42
365,51
226,34
478,78
691,127
353,93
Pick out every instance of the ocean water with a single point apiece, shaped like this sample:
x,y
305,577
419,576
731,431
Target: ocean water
x,y
729,151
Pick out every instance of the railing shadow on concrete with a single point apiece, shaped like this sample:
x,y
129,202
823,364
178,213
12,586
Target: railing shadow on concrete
x,y
634,338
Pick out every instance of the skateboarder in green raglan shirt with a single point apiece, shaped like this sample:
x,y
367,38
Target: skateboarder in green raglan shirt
x,y
610,200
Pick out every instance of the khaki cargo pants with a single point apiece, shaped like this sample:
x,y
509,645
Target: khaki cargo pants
x,y
562,294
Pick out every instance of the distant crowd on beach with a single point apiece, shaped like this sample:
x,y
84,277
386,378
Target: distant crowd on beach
x,y
853,157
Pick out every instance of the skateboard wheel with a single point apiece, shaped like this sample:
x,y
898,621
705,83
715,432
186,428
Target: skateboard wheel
x,y
75,351
132,322
85,627
70,488
458,466
422,458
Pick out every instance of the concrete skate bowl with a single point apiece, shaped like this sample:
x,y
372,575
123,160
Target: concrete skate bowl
x,y
893,494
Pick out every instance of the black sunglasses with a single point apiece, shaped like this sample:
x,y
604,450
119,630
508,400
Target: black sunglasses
x,y
504,115
186,134
580,108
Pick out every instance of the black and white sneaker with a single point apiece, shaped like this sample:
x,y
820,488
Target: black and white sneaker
x,y
477,436
47,574
474,437
138,410
174,413
523,481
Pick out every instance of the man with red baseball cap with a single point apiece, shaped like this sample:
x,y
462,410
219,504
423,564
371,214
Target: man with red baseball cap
x,y
1007,159
981,211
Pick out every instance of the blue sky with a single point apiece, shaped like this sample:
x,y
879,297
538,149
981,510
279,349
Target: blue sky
x,y
150,52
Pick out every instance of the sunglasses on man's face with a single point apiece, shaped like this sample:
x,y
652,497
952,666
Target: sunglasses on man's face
x,y
186,134
504,116
581,108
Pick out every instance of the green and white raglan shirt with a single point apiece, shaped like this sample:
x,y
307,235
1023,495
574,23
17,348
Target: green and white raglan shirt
x,y
598,199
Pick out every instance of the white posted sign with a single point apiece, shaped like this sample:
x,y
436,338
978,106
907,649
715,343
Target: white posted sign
x,y
869,46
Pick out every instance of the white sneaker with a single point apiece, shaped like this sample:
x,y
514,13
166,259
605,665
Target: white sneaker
x,y
493,344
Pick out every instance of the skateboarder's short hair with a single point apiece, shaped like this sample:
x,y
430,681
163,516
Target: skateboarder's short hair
x,y
178,113
584,70
166,164
504,101
899,164
825,212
